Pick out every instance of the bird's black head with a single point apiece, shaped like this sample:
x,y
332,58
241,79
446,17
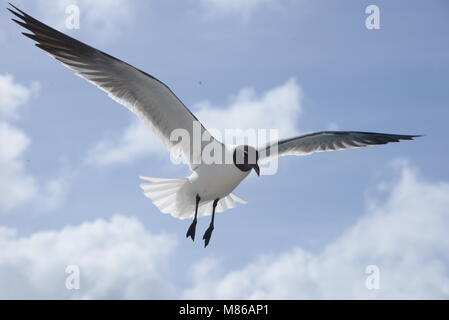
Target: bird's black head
x,y
246,158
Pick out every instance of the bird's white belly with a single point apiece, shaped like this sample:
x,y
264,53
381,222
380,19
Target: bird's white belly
x,y
216,181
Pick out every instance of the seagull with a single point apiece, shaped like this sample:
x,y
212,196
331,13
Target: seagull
x,y
211,184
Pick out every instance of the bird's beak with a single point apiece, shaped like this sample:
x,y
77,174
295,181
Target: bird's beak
x,y
257,169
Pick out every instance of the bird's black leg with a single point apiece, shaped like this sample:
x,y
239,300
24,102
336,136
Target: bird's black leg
x,y
192,228
209,230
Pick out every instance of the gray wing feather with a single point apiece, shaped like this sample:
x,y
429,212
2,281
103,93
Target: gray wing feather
x,y
327,141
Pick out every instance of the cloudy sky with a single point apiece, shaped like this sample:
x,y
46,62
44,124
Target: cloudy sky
x,y
70,157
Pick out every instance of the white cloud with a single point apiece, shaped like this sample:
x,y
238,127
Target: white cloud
x,y
277,108
243,8
136,141
14,95
17,187
405,236
117,259
106,17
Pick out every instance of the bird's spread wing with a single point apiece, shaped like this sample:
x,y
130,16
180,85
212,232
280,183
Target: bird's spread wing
x,y
326,141
150,99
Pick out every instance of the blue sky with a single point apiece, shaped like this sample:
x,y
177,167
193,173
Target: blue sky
x,y
322,217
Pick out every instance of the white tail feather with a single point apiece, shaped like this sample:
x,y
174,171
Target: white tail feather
x,y
175,197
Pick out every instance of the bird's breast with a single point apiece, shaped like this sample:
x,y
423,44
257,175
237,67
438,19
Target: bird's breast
x,y
216,181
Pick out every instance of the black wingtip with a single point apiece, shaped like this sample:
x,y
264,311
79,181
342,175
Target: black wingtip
x,y
15,13
20,23
410,137
19,13
29,35
16,8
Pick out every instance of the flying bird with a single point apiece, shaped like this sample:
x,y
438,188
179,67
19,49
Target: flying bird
x,y
210,187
